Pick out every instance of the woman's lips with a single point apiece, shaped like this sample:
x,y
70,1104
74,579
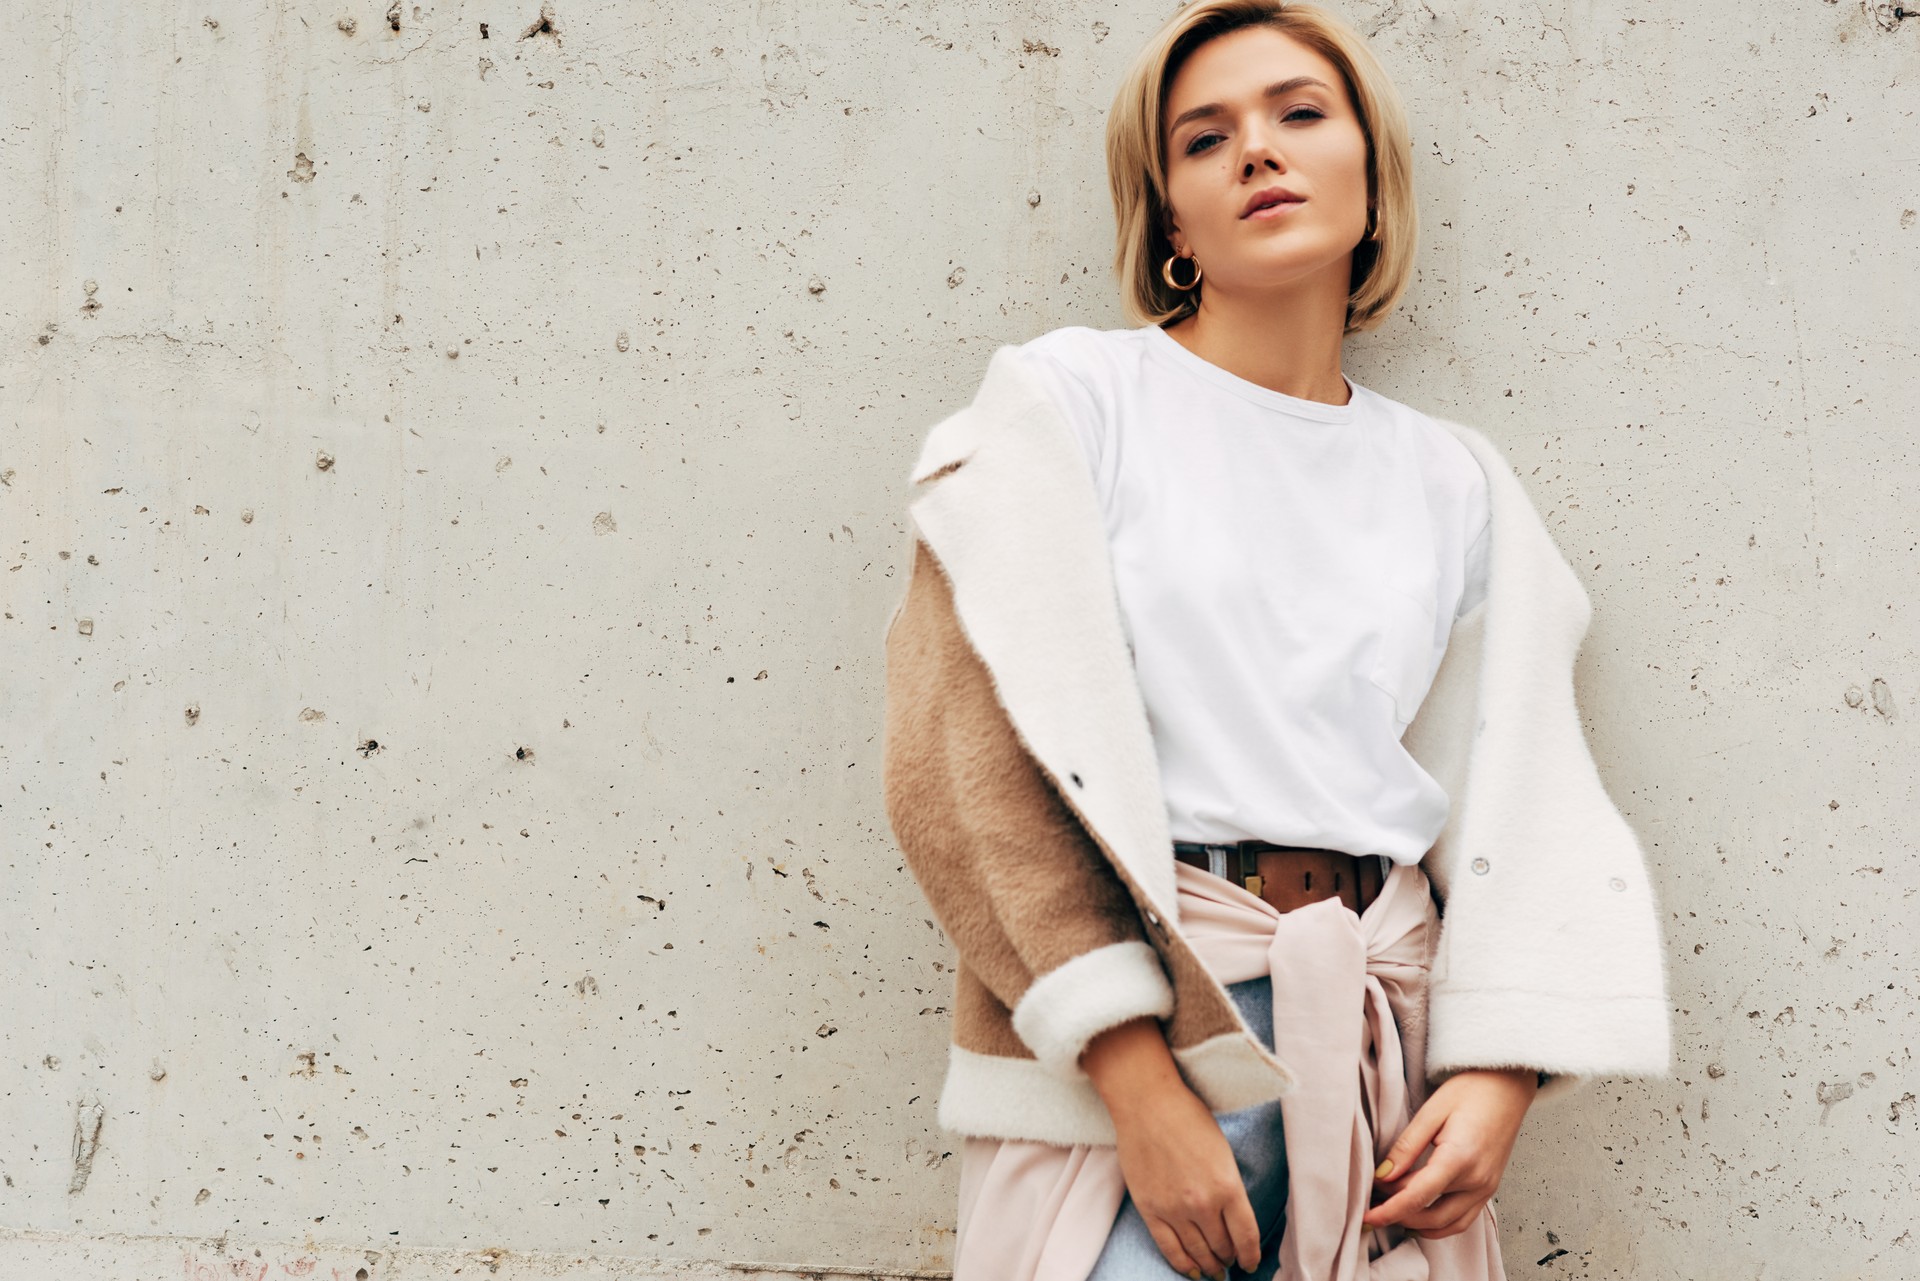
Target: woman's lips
x,y
1274,211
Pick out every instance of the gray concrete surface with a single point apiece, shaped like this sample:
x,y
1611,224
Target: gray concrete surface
x,y
451,477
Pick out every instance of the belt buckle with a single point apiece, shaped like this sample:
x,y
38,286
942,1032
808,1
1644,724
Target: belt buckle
x,y
1250,858
1217,864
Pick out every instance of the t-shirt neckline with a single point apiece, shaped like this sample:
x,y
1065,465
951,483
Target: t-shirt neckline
x,y
1298,406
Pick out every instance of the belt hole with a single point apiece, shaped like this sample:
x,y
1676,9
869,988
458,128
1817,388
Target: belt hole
x,y
1309,884
1336,882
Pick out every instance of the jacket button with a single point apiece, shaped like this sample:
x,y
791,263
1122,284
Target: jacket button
x,y
1480,866
1616,884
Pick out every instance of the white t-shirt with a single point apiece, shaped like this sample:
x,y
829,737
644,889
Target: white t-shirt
x,y
1288,574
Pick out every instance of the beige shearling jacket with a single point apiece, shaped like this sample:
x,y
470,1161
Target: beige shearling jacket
x,y
1021,785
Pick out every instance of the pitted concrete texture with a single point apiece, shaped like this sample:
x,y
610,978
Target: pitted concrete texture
x,y
452,476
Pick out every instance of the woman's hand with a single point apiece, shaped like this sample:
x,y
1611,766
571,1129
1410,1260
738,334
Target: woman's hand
x,y
1178,1166
1471,1119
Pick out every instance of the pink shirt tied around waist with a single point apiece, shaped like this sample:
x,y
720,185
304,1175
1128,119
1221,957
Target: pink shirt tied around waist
x,y
1344,986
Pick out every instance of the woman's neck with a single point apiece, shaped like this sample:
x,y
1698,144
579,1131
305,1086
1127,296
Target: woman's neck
x,y
1289,344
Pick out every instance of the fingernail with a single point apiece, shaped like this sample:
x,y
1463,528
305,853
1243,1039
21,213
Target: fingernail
x,y
1384,1169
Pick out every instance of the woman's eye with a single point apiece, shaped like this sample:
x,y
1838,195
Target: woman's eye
x,y
1195,146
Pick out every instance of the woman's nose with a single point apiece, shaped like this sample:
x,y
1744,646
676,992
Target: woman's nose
x,y
1261,150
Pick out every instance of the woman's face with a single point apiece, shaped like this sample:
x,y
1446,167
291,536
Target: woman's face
x,y
1271,113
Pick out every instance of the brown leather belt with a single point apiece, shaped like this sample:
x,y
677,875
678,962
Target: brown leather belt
x,y
1288,876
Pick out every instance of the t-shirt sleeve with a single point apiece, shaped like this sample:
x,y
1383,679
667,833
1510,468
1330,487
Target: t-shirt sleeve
x,y
1474,588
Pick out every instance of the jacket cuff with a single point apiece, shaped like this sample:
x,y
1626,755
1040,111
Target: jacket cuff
x,y
1571,1040
1067,1007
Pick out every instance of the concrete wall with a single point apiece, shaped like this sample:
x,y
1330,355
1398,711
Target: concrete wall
x,y
452,475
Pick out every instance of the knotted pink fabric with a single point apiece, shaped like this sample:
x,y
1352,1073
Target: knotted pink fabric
x,y
1345,987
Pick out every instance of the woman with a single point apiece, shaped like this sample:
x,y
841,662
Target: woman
x,y
1212,669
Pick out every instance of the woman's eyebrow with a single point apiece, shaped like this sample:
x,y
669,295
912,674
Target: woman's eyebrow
x,y
1271,91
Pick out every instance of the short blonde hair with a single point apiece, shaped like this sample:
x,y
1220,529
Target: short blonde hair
x,y
1137,160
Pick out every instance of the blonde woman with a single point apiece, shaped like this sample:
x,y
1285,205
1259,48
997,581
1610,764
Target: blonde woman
x,y
1217,679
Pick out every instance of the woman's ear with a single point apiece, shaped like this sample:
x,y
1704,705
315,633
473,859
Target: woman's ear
x,y
1169,228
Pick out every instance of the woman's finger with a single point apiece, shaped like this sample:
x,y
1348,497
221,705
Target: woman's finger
x,y
1171,1247
1469,1210
1244,1231
1420,1131
1219,1236
1199,1249
1448,1209
1427,1185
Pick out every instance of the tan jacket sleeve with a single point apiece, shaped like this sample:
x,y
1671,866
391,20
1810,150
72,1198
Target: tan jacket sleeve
x,y
1028,899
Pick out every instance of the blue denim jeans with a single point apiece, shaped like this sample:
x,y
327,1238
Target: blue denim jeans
x,y
1254,1134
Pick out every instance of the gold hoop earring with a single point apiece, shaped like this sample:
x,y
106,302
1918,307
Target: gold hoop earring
x,y
1373,232
1166,272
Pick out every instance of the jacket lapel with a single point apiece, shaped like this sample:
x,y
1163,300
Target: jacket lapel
x,y
1503,699
1010,512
